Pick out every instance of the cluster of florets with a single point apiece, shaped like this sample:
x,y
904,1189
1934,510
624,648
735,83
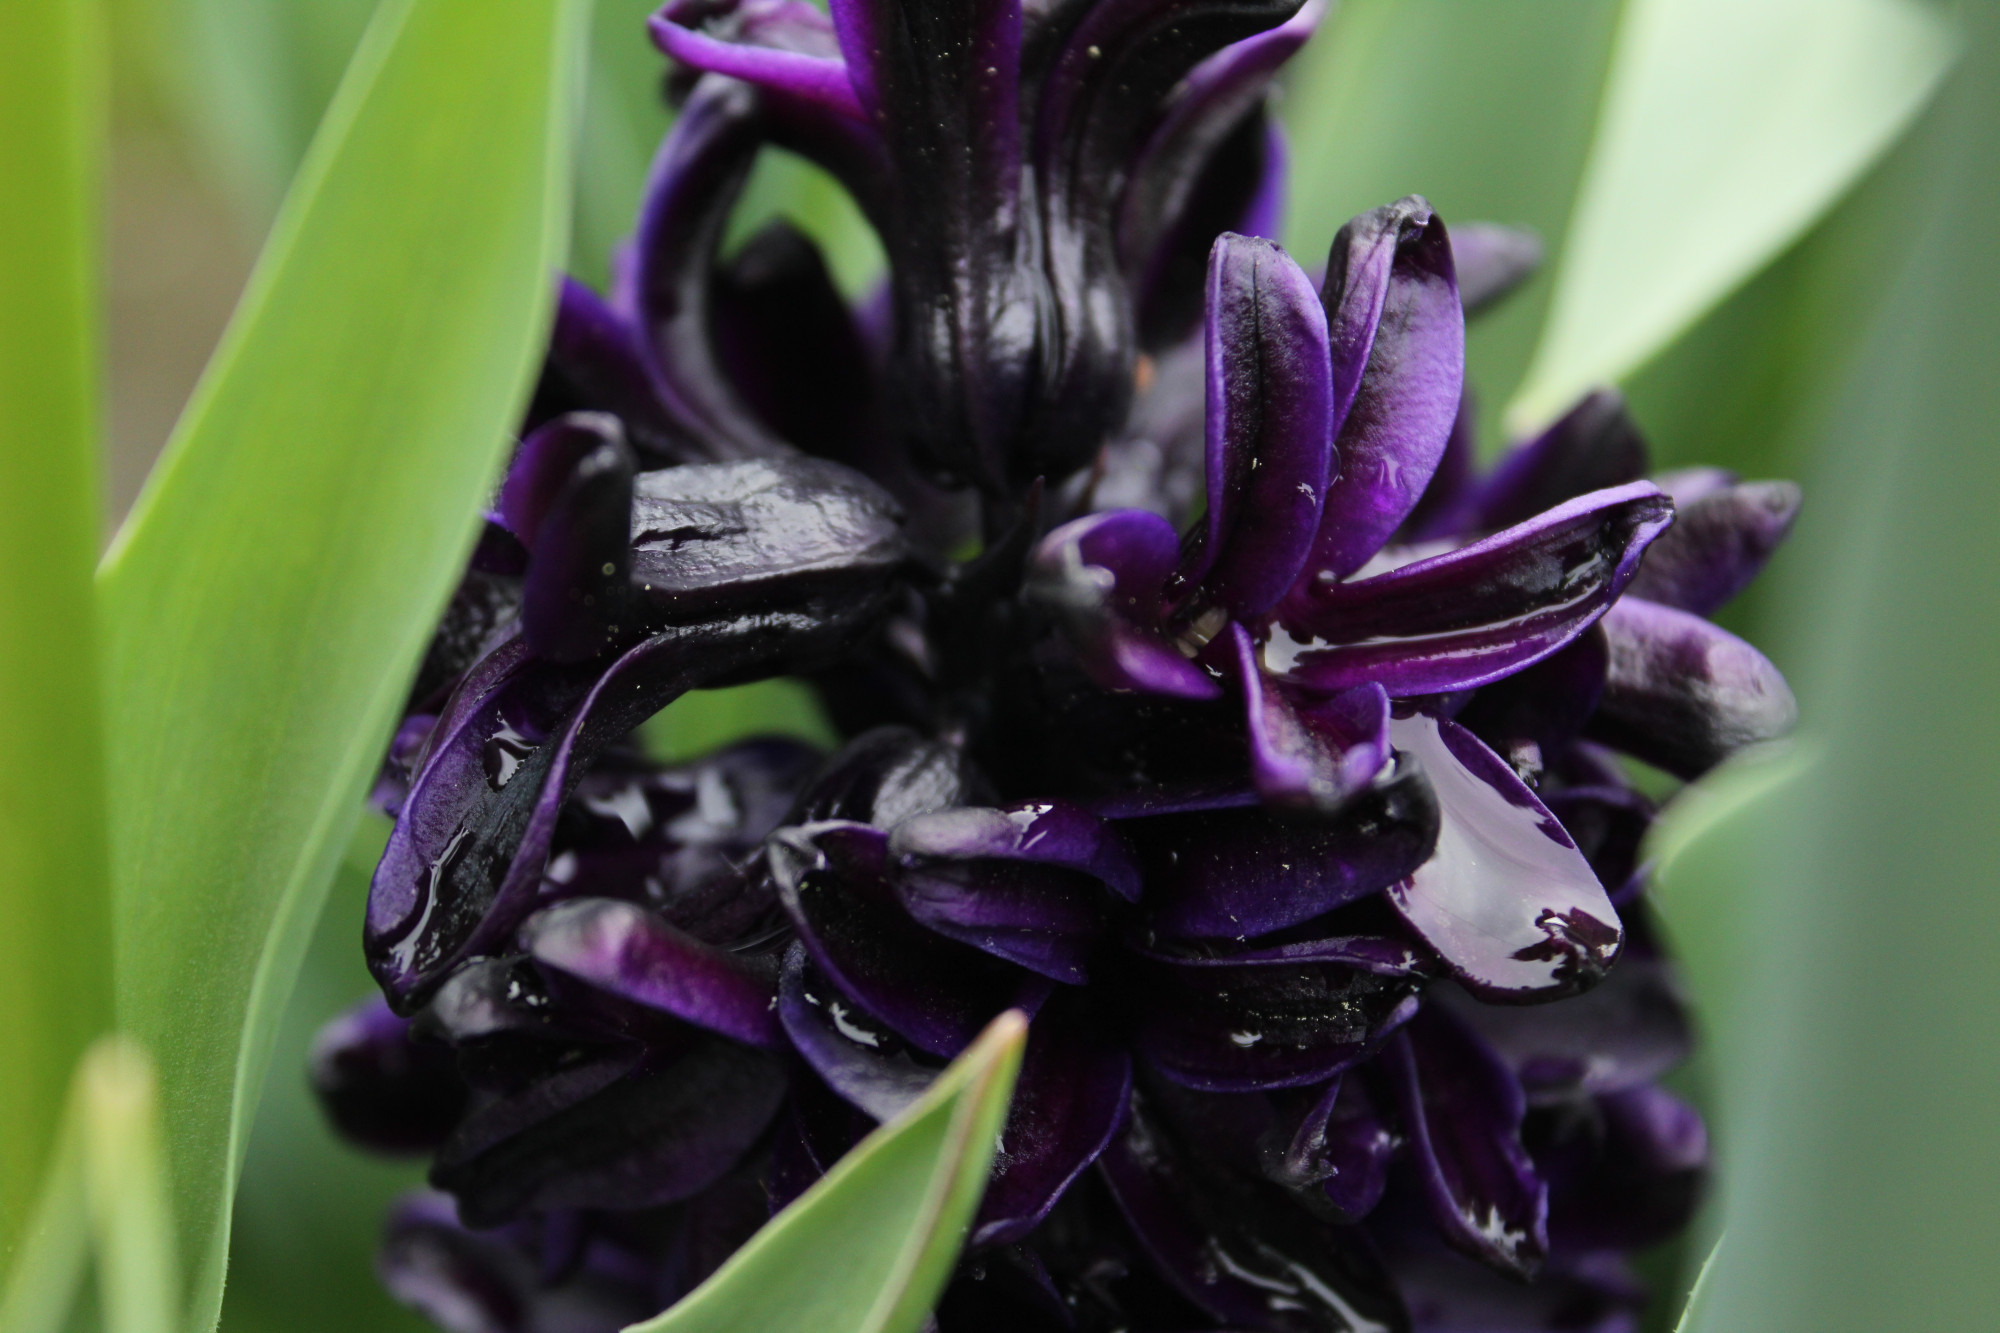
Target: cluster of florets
x,y
1267,754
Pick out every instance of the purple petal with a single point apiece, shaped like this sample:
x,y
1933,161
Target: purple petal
x,y
886,776
383,1089
1628,1030
631,953
1627,1172
1683,694
1462,1110
1269,438
862,1060
1492,261
1232,873
1241,1250
1591,447
1102,577
1609,826
1544,706
466,858
1398,339
1437,511
1044,920
1310,753
1344,1145
693,184
667,1129
1719,542
1507,900
1475,614
785,45
935,993
1051,833
1271,1018
1070,1099
594,363
575,594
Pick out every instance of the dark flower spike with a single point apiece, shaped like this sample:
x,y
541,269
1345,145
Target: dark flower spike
x,y
656,1133
1269,426
1684,694
568,498
862,1060
1591,447
383,1088
1507,900
936,993
1100,579
1229,873
1398,337
1246,1255
1070,1100
1462,1110
1720,541
1475,614
629,952
700,170
787,45
1492,261
1310,753
1282,1017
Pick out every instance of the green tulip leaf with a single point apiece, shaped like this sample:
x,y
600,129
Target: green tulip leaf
x,y
868,1248
55,915
268,600
1726,128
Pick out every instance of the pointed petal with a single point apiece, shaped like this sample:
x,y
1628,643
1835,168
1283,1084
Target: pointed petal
x,y
1310,753
1492,261
624,950
1231,873
784,45
693,184
862,1060
1282,1017
1684,694
669,1128
1398,339
1071,1098
1102,578
935,993
1269,438
1462,1110
1507,900
1475,614
1719,542
1592,447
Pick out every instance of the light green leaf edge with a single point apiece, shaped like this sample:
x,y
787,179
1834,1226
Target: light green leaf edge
x,y
55,915
105,1194
868,1248
1695,1313
270,595
1727,128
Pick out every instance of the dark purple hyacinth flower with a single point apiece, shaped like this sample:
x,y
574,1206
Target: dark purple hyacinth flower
x,y
1269,755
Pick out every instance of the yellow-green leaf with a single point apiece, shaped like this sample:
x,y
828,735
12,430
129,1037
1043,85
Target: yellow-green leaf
x,y
270,596
868,1248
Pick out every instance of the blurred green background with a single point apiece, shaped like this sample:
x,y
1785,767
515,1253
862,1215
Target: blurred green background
x,y
1845,921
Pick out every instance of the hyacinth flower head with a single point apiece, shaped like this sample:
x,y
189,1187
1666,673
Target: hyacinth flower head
x,y
1267,755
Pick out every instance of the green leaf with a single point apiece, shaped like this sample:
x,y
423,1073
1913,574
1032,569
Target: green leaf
x,y
1861,1087
270,595
868,1248
1696,1310
1726,129
55,984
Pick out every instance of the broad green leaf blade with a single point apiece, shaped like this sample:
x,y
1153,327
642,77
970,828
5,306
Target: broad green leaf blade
x,y
55,982
1861,1094
868,1248
49,1264
124,1173
1726,128
271,593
